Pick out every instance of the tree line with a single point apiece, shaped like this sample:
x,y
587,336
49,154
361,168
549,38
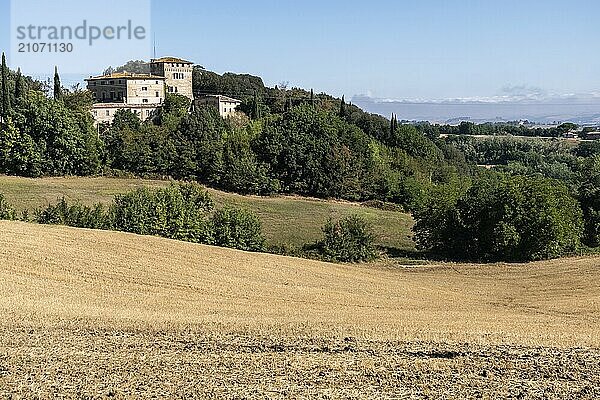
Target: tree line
x,y
299,142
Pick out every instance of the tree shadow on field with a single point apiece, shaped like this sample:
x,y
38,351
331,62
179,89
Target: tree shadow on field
x,y
410,254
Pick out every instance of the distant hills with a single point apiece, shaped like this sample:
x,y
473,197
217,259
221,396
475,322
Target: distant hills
x,y
580,110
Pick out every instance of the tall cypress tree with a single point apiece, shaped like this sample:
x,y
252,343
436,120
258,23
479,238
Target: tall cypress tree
x,y
343,108
57,87
19,89
5,97
256,111
312,98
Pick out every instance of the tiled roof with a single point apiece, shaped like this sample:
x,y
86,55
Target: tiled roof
x,y
97,106
221,98
125,75
170,60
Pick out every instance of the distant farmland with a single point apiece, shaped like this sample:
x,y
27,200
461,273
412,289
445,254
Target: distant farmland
x,y
104,314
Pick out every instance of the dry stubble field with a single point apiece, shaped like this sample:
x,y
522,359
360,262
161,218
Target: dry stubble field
x,y
89,314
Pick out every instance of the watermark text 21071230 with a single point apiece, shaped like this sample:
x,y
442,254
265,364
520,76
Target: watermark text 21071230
x,y
39,39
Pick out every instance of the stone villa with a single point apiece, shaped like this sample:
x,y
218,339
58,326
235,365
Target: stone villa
x,y
144,93
225,105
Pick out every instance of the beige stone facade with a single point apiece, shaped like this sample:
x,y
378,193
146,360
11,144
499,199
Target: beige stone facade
x,y
127,88
226,105
178,74
105,112
140,93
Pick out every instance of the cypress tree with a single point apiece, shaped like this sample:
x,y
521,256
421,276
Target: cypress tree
x,y
256,111
343,108
5,99
392,131
57,87
19,90
312,98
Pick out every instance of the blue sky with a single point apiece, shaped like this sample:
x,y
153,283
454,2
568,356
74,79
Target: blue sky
x,y
428,49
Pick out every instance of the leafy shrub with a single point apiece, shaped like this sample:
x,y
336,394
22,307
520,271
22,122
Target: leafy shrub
x,y
348,240
6,211
177,212
237,228
76,215
181,212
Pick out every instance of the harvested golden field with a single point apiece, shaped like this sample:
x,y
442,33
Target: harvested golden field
x,y
102,314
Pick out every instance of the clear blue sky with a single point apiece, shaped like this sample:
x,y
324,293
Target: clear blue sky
x,y
394,49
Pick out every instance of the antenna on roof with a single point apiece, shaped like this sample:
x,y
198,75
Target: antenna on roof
x,y
154,46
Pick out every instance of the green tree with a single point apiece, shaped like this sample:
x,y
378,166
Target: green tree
x,y
589,197
19,85
57,85
178,212
256,106
237,228
66,140
348,240
311,151
7,212
343,108
511,218
19,154
5,111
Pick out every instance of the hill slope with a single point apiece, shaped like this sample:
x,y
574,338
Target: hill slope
x,y
67,273
90,314
286,220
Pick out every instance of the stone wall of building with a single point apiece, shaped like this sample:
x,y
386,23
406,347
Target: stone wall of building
x,y
147,91
226,105
178,75
105,112
127,89
107,90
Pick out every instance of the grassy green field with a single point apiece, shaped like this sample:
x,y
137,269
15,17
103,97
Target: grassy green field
x,y
286,220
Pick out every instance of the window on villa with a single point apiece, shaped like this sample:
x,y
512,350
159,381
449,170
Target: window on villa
x,y
145,88
112,82
157,94
144,100
108,113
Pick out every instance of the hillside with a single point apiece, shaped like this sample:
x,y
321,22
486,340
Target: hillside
x,y
291,220
69,273
195,320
